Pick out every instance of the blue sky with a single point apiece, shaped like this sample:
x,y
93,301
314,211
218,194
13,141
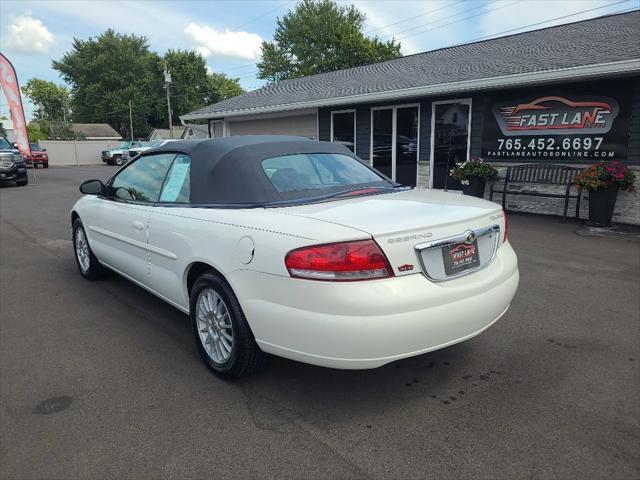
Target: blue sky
x,y
228,33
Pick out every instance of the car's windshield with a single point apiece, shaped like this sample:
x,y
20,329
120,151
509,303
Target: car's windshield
x,y
318,171
35,147
4,144
125,145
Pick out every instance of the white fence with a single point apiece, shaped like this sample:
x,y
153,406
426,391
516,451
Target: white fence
x,y
77,152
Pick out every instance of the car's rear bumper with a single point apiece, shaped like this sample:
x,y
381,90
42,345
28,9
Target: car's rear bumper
x,y
359,325
37,161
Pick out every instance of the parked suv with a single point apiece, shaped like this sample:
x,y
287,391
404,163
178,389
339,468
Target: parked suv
x,y
114,156
12,165
39,156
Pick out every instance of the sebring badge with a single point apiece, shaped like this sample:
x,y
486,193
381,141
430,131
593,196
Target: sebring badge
x,y
417,236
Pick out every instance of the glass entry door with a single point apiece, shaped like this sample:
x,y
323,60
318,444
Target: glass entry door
x,y
450,140
394,142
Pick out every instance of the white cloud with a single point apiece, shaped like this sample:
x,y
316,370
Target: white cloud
x,y
28,35
211,43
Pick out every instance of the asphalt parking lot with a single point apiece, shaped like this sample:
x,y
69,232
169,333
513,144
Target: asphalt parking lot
x,y
102,380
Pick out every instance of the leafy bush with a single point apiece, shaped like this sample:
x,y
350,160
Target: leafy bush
x,y
604,174
474,167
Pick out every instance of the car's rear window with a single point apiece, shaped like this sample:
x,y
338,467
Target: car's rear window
x,y
312,171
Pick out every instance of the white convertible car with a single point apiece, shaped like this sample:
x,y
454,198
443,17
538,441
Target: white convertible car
x,y
297,248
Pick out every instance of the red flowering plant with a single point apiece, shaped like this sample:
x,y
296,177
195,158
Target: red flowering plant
x,y
604,174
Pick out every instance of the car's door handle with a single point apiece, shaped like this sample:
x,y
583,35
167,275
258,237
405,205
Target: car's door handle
x,y
138,226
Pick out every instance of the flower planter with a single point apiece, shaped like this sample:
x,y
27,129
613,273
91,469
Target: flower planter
x,y
602,202
476,187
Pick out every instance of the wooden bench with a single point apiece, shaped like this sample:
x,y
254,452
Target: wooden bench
x,y
543,174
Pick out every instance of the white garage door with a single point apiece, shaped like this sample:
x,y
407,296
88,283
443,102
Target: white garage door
x,y
300,125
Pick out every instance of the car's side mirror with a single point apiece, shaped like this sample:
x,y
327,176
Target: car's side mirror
x,y
92,187
44,149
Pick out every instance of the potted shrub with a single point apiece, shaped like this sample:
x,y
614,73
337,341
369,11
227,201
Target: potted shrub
x,y
603,180
473,175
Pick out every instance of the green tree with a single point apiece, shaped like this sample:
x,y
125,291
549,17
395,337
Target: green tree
x,y
51,100
320,36
221,87
3,132
105,73
193,86
36,132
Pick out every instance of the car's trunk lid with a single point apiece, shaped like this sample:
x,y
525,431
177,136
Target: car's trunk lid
x,y
401,221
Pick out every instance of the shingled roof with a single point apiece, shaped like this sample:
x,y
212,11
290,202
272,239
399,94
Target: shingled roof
x,y
95,131
602,46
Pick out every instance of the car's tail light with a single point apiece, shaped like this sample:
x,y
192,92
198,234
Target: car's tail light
x,y
506,226
346,261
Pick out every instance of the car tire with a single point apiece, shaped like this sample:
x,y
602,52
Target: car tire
x,y
211,300
118,161
45,165
88,265
22,183
110,162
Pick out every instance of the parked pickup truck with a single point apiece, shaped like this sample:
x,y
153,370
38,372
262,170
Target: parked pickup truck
x,y
135,151
114,156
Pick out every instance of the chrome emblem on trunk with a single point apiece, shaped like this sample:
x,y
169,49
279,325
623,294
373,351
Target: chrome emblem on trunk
x,y
417,236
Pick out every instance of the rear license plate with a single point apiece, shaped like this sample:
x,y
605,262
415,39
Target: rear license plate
x,y
460,257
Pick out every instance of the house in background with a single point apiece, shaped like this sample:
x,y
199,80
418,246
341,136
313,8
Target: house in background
x,y
95,131
195,131
8,128
567,94
165,134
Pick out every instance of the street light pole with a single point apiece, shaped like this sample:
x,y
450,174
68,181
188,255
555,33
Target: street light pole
x,y
130,121
167,85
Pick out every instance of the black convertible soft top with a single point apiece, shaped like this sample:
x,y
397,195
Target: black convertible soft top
x,y
229,170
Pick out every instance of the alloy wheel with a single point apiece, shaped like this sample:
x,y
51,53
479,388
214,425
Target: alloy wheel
x,y
82,250
214,326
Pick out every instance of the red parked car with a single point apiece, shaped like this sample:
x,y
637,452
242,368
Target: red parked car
x,y
38,156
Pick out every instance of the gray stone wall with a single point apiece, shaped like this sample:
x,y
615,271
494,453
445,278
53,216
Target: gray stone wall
x,y
423,175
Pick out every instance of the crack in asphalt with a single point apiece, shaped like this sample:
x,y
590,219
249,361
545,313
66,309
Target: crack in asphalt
x,y
35,242
267,414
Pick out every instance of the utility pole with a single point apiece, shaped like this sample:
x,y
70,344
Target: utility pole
x,y
130,121
64,110
167,85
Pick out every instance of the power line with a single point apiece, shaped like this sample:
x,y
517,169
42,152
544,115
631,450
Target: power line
x,y
551,20
458,21
436,21
406,19
263,14
241,66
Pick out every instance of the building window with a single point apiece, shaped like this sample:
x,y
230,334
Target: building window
x,y
343,128
394,142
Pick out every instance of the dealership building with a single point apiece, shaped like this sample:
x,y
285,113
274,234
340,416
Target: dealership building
x,y
567,95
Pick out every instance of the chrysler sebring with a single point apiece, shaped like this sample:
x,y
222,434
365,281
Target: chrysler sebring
x,y
297,248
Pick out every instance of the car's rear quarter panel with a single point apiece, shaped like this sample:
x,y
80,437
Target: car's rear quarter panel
x,y
184,236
